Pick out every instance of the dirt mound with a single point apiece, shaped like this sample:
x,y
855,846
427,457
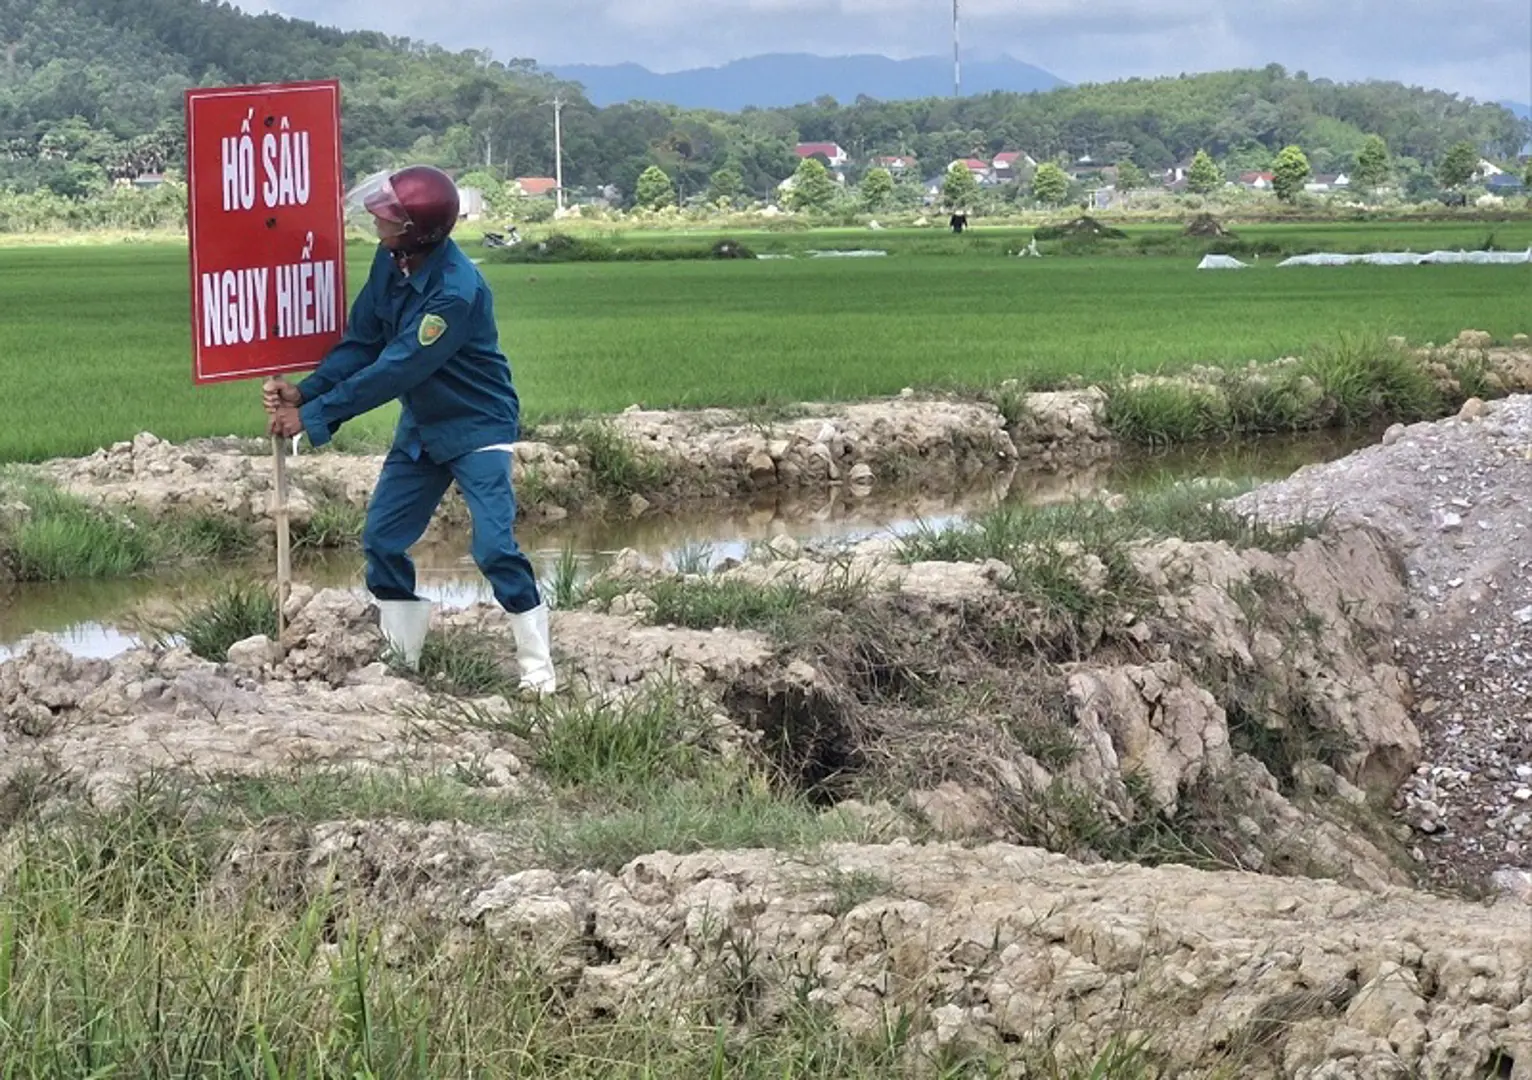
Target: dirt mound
x,y
1119,704
988,948
1083,227
1230,698
1451,498
1207,226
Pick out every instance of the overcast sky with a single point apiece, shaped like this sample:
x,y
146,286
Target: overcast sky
x,y
1480,48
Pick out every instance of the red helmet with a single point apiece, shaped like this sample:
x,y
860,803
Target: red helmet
x,y
420,197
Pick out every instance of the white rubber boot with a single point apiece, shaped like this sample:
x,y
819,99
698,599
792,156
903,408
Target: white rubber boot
x,y
404,624
533,654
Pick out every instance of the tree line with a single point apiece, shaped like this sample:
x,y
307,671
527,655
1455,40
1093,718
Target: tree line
x,y
90,93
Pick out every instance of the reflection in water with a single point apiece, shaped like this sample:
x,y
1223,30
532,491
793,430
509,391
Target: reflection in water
x,y
105,618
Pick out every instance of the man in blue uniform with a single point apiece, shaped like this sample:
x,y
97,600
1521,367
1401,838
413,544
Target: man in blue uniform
x,y
423,332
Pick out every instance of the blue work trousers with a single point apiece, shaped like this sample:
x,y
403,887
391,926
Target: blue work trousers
x,y
407,494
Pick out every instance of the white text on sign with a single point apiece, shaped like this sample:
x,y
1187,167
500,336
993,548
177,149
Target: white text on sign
x,y
237,305
283,179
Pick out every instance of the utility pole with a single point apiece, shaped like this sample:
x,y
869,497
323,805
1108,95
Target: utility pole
x,y
558,151
957,64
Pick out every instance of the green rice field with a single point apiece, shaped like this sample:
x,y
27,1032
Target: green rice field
x,y
97,342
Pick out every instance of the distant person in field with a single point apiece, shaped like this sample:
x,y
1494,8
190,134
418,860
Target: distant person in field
x,y
959,221
423,332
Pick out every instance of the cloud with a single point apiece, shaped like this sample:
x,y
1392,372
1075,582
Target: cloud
x,y
1482,48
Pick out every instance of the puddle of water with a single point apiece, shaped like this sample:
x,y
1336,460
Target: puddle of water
x,y
106,618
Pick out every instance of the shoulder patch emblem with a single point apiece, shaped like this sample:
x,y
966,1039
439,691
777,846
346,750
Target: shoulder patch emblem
x,y
431,328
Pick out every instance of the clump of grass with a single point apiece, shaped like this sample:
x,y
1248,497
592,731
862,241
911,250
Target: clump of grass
x,y
208,536
317,795
468,663
787,611
234,612
1198,511
1354,380
51,535
727,810
1365,380
58,536
564,590
334,523
1194,511
1071,562
1010,398
703,603
617,468
620,745
1165,413
856,887
533,489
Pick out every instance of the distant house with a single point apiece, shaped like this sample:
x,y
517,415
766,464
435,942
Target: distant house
x,y
791,182
1176,174
833,155
470,203
1504,184
1256,181
148,181
533,187
1320,182
1010,162
980,169
1486,170
1083,169
898,164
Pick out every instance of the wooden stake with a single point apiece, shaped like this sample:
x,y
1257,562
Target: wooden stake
x,y
284,540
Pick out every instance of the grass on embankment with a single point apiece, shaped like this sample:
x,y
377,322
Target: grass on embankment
x,y
1356,381
48,535
126,948
596,338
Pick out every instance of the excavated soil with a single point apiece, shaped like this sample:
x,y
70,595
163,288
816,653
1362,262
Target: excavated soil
x,y
1189,788
1453,499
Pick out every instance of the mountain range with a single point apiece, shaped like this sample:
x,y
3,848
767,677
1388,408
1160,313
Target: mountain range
x,y
778,80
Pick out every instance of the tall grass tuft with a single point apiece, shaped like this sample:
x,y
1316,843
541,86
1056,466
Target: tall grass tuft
x,y
564,589
334,523
1166,413
236,611
204,537
616,466
619,745
1366,380
468,663
1355,380
48,535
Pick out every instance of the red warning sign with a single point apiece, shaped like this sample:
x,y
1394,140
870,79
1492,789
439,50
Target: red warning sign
x,y
267,227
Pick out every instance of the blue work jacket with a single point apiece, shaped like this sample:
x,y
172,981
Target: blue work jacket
x,y
430,341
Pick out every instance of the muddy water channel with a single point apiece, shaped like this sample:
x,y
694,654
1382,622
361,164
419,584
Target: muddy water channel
x,y
105,618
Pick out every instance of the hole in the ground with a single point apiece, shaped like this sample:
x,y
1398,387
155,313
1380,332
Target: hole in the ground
x,y
805,734
1502,1066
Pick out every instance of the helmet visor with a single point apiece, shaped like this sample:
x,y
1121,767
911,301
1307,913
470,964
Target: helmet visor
x,y
374,197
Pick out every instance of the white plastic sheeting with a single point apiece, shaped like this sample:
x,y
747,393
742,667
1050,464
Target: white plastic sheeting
x,y
1410,258
1221,262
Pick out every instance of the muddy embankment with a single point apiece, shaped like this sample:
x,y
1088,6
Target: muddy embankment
x,y
638,461
1066,779
1086,780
